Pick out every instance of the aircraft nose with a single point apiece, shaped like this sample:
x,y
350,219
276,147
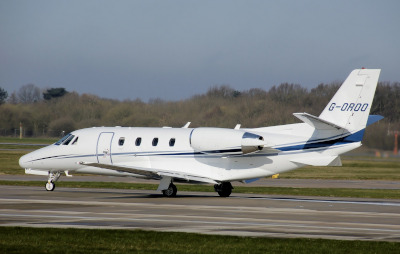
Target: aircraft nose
x,y
24,161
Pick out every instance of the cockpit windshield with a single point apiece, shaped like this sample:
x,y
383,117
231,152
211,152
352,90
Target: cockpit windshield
x,y
65,140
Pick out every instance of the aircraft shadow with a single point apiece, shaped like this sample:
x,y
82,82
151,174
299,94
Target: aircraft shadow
x,y
156,196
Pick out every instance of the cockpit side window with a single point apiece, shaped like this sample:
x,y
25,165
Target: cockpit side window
x,y
68,140
63,139
75,141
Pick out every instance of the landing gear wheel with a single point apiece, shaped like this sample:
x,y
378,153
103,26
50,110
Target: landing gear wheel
x,y
171,191
224,189
50,186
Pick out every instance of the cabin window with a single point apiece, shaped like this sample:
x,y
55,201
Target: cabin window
x,y
155,141
138,141
121,141
172,142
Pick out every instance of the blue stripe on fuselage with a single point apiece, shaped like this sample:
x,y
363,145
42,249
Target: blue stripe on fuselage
x,y
355,137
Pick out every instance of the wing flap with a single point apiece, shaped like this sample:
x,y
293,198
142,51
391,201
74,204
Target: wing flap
x,y
151,172
319,161
138,171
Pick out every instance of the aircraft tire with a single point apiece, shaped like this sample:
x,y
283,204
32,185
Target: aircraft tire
x,y
171,191
224,193
224,189
50,186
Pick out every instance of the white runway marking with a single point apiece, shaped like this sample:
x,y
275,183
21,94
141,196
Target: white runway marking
x,y
377,203
195,222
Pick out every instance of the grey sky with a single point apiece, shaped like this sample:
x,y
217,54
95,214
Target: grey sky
x,y
175,49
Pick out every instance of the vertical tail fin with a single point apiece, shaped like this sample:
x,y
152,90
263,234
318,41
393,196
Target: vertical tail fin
x,y
350,106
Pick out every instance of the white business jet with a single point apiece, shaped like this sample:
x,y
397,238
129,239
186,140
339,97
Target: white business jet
x,y
214,155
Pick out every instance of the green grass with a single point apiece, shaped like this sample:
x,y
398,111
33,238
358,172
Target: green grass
x,y
9,158
322,192
20,144
27,148
9,162
53,240
28,140
362,169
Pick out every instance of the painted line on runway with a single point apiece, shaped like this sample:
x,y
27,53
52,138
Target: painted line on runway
x,y
377,203
220,223
75,202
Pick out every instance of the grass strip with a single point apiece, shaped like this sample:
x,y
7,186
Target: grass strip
x,y
321,192
57,240
9,162
28,140
26,148
360,170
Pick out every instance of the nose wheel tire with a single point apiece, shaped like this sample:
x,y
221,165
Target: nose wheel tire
x,y
171,191
50,186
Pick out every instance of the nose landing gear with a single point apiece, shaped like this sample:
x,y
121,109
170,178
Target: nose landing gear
x,y
52,177
50,186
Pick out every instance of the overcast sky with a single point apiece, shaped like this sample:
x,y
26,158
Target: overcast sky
x,y
175,49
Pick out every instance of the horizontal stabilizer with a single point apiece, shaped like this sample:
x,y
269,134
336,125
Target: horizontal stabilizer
x,y
319,161
373,119
317,122
151,172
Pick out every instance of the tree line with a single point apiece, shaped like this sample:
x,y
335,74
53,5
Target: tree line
x,y
56,111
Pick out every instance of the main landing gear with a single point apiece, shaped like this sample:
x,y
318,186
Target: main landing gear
x,y
52,178
224,189
171,191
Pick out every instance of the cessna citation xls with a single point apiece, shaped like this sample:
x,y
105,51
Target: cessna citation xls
x,y
214,155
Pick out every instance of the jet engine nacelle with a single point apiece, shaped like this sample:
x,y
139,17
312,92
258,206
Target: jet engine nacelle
x,y
225,141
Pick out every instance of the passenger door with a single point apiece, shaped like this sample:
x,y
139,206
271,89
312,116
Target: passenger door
x,y
104,147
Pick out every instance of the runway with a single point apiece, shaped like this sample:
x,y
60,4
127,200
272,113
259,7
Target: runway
x,y
240,214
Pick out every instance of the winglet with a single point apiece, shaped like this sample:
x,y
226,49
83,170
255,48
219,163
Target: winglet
x,y
186,125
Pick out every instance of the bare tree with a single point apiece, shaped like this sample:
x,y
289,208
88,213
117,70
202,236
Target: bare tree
x,y
29,93
13,98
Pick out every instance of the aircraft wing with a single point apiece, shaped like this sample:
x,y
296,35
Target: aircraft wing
x,y
151,172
